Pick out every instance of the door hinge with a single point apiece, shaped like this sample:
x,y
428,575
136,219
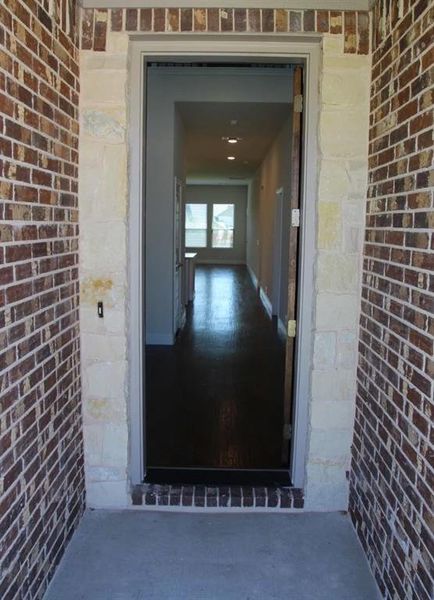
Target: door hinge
x,y
298,103
287,432
295,217
292,325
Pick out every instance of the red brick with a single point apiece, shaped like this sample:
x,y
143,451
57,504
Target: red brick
x,y
240,19
362,32
295,21
199,19
186,19
146,19
267,20
309,20
350,37
116,19
131,19
173,19
214,19
254,19
281,20
159,19
227,19
87,29
335,21
39,102
322,21
100,31
390,473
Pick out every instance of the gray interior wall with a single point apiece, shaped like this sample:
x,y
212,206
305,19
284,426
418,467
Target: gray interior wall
x,y
165,87
274,173
178,146
234,194
252,228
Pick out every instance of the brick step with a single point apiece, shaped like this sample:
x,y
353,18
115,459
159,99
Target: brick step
x,y
232,496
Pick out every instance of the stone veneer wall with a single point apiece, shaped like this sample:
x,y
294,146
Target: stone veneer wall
x,y
343,133
392,481
42,470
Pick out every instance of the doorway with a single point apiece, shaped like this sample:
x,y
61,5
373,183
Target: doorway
x,y
219,383
251,48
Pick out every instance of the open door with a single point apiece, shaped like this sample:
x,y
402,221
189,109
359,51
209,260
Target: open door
x,y
277,251
178,275
296,146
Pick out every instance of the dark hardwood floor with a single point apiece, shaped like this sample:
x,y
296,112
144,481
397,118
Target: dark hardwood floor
x,y
214,400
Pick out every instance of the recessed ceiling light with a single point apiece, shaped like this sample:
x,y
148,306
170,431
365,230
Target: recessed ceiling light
x,y
231,157
234,121
231,139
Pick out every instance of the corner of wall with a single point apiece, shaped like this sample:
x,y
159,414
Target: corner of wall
x,y
343,165
103,189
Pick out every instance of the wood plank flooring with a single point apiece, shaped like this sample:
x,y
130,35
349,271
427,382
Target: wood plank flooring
x,y
214,400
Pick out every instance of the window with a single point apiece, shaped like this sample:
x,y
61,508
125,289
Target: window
x,y
217,231
222,225
196,225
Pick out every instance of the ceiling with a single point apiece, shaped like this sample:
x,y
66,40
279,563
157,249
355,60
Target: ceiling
x,y
207,122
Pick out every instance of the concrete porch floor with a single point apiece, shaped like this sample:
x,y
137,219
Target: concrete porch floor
x,y
139,555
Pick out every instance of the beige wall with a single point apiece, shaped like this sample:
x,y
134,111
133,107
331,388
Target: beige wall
x,y
103,275
343,142
342,138
273,174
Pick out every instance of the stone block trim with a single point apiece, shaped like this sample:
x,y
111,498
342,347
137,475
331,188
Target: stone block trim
x,y
354,25
231,496
42,478
342,175
392,477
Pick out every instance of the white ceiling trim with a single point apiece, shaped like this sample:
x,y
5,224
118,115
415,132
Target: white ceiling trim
x,y
292,4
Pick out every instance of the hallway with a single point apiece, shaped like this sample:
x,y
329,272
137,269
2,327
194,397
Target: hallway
x,y
215,398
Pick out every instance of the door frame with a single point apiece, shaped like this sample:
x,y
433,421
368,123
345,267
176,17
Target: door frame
x,y
304,49
178,310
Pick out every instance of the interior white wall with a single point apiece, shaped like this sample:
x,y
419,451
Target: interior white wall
x,y
165,87
273,174
233,194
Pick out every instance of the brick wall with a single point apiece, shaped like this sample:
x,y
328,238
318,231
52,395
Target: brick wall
x,y
353,25
41,485
392,481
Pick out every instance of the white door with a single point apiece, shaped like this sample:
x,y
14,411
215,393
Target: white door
x,y
178,275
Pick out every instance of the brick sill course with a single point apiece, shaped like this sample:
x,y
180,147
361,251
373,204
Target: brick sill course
x,y
206,497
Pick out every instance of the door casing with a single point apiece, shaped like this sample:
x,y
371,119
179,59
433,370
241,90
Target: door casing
x,y
302,49
178,259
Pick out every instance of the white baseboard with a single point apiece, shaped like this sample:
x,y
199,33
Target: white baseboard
x,y
281,327
159,339
266,302
263,296
219,261
253,276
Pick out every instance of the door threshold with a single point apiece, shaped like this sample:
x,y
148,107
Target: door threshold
x,y
192,497
201,476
